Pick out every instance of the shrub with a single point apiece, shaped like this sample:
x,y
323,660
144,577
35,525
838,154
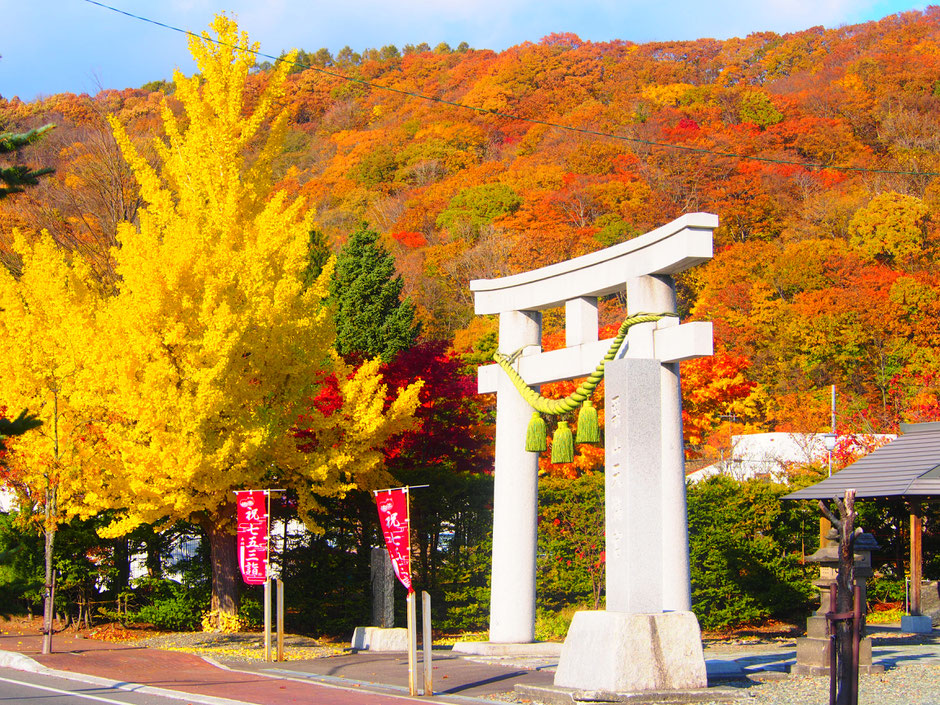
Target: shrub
x,y
885,589
251,612
169,605
553,625
571,541
745,553
174,614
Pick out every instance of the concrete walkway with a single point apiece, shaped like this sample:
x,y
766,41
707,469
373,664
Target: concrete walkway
x,y
366,678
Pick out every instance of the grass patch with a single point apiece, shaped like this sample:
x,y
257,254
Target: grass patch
x,y
885,616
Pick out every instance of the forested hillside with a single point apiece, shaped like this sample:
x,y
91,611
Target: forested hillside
x,y
818,150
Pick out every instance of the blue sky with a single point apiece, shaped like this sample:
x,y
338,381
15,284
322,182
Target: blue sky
x,y
53,46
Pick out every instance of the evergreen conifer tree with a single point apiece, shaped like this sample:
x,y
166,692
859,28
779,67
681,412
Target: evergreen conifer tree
x,y
318,254
13,179
17,427
371,319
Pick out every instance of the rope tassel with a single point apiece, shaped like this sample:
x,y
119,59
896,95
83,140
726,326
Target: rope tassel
x,y
535,434
588,431
562,444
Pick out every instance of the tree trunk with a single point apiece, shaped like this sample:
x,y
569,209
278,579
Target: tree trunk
x,y
48,611
846,677
224,559
154,544
122,566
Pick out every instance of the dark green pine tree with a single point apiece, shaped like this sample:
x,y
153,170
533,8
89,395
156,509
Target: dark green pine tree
x,y
17,427
13,179
318,253
371,319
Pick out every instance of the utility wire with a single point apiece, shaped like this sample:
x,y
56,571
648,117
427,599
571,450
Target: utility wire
x,y
521,118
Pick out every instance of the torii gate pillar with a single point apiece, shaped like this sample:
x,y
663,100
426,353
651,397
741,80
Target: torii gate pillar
x,y
515,496
644,267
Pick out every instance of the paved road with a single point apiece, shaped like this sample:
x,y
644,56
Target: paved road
x,y
23,687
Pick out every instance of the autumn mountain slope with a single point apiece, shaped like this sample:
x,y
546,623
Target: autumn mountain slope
x,y
825,268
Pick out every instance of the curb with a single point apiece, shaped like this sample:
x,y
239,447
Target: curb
x,y
21,662
356,686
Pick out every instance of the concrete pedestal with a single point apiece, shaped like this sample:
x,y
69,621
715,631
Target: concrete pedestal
x,y
916,624
377,639
618,652
812,651
535,649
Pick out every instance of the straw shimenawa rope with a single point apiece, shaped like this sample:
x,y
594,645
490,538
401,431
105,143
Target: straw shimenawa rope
x,y
587,428
586,388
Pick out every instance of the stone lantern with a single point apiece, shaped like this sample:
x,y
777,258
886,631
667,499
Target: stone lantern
x,y
812,651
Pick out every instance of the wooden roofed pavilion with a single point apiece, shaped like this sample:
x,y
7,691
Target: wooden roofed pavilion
x,y
907,467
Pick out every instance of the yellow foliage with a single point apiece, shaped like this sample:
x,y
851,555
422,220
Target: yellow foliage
x,y
667,95
47,343
225,622
216,349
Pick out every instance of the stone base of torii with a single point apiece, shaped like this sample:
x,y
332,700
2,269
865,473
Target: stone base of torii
x,y
647,639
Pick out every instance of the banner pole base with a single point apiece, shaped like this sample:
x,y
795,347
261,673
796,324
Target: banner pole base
x,y
412,646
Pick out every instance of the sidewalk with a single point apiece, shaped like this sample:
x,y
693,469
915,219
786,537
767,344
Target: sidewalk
x,y
367,678
350,679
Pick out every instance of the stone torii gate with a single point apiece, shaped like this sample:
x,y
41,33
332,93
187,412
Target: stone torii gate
x,y
647,535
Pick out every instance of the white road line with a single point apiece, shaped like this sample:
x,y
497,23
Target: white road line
x,y
65,692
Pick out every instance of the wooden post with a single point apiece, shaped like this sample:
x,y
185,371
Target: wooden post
x,y
267,619
844,588
917,530
824,526
412,645
426,642
280,619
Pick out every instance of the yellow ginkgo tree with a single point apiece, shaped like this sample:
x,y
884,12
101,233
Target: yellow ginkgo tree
x,y
217,351
47,345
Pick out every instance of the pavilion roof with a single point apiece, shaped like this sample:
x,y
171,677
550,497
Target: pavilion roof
x,y
908,466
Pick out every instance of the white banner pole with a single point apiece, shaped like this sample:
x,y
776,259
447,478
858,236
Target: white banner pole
x,y
412,645
267,619
426,643
280,619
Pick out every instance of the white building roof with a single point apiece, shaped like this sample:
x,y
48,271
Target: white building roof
x,y
771,455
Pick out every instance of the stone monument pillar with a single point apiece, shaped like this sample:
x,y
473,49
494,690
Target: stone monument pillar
x,y
647,640
383,589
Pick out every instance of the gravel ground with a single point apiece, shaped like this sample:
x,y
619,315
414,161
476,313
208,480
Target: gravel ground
x,y
904,685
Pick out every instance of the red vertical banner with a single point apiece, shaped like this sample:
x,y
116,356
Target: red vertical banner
x,y
394,519
253,535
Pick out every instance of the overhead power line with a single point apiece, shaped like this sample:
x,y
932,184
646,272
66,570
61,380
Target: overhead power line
x,y
522,118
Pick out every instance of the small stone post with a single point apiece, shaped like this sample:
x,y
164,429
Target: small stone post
x,y
383,589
